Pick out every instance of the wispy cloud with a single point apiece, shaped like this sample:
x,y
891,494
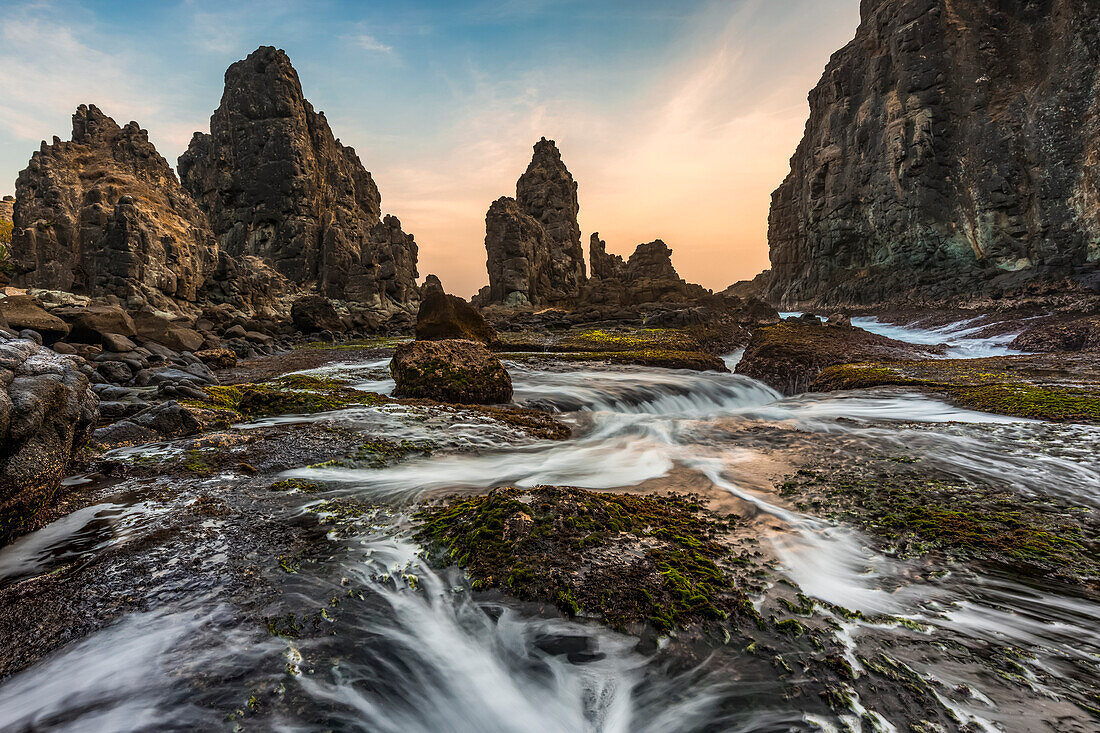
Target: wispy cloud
x,y
367,42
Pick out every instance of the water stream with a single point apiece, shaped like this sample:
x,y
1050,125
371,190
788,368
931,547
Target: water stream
x,y
413,649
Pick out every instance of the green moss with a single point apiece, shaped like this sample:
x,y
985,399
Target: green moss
x,y
659,561
197,462
295,484
288,395
1002,385
381,342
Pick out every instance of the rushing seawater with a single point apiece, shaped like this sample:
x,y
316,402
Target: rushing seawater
x,y
413,649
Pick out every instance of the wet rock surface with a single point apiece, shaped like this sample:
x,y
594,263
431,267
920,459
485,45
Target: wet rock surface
x,y
450,371
949,155
789,355
47,412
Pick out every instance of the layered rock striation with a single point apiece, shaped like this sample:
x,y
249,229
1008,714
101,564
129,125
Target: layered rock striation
x,y
278,185
103,214
951,152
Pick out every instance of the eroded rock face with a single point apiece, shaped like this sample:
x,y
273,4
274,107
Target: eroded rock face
x,y
533,241
46,412
104,214
952,151
278,185
450,371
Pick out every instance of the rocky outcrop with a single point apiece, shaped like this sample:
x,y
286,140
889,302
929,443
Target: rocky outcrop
x,y
21,312
443,316
647,277
450,371
533,241
952,152
47,411
104,214
547,192
518,256
788,356
1073,334
278,185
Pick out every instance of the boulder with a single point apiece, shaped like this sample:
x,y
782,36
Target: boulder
x,y
788,356
217,358
314,313
443,316
159,329
47,411
24,311
118,343
450,371
90,324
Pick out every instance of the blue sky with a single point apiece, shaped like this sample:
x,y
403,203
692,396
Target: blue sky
x,y
676,118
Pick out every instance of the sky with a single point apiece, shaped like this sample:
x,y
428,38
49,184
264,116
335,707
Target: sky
x,y
677,118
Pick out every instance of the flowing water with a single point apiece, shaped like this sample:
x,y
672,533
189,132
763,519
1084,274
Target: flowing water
x,y
413,649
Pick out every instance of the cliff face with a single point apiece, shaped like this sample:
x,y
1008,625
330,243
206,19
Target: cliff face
x,y
952,152
278,185
104,214
533,242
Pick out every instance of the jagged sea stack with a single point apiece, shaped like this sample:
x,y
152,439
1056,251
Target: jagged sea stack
x,y
276,183
104,214
952,151
533,242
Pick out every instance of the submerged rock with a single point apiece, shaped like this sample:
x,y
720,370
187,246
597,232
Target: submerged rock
x,y
450,371
47,412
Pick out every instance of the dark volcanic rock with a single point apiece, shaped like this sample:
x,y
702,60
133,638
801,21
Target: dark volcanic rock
x,y
313,313
47,411
952,151
104,215
442,317
278,185
533,242
450,371
788,356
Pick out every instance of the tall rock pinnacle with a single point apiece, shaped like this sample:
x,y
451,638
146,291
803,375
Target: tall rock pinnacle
x,y
277,184
533,242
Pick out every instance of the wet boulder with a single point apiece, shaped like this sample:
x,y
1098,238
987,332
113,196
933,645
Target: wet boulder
x,y
313,314
788,356
450,371
443,316
47,411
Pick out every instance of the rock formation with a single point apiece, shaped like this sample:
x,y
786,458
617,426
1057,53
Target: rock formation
x,y
443,316
104,214
278,185
47,411
450,371
533,241
952,150
647,277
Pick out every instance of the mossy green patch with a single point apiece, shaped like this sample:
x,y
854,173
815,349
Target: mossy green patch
x,y
287,395
628,558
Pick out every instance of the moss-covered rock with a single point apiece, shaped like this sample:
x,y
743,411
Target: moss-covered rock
x,y
450,371
291,394
668,348
627,558
1058,387
788,356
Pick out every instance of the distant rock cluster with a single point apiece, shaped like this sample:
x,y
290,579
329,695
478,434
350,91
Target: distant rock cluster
x,y
952,151
534,255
